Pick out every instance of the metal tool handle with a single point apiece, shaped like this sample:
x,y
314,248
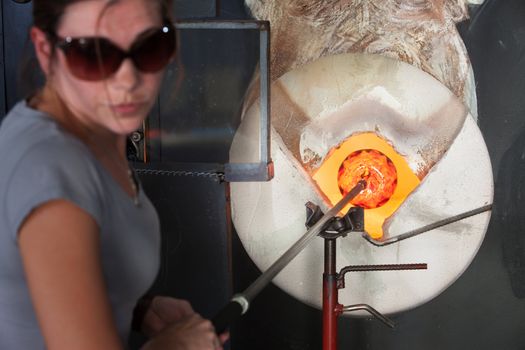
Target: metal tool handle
x,y
228,314
241,301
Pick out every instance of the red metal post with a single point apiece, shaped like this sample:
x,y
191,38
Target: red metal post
x,y
331,309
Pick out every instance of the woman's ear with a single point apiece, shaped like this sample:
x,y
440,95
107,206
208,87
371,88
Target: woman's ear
x,y
43,49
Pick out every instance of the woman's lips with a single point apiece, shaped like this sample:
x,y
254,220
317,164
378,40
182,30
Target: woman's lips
x,y
127,108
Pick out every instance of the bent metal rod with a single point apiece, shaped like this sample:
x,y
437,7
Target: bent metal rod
x,y
240,303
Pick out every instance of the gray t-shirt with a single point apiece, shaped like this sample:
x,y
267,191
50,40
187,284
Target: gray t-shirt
x,y
39,162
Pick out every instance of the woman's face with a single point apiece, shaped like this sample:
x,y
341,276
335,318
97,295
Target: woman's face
x,y
120,103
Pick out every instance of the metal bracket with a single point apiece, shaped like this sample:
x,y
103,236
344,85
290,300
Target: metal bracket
x,y
352,221
357,307
376,314
364,268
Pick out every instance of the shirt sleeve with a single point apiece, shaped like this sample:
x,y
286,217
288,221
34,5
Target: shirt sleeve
x,y
53,170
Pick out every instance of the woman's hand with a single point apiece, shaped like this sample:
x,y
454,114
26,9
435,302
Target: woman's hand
x,y
191,333
164,311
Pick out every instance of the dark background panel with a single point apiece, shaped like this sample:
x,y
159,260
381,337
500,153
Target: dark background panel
x,y
16,19
495,39
195,233
2,66
196,9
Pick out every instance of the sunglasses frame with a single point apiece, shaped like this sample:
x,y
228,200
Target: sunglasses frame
x,y
101,72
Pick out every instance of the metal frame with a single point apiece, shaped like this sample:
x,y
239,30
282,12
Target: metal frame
x,y
262,171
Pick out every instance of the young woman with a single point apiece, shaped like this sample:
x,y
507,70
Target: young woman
x,y
79,240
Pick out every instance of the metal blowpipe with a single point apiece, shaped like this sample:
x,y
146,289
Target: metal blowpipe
x,y
240,303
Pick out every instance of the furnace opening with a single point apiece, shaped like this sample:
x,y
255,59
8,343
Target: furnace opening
x,y
367,156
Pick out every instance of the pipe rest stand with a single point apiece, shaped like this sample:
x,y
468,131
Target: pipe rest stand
x,y
353,221
240,303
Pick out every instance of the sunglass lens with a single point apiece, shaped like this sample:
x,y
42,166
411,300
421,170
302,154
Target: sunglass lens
x,y
155,51
92,59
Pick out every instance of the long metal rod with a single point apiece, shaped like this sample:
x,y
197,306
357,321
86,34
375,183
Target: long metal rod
x,y
268,275
427,228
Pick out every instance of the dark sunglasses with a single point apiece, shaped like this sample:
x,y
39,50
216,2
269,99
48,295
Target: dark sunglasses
x,y
97,58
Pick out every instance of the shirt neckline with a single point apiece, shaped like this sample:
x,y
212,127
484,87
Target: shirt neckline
x,y
43,115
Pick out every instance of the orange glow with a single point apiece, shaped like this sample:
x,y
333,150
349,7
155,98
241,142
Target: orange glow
x,y
379,157
378,171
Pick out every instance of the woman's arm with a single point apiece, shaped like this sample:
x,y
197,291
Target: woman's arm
x,y
59,243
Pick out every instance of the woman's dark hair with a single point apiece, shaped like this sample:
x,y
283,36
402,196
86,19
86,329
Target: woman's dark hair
x,y
47,14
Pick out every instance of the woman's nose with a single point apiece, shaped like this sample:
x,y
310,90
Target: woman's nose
x,y
127,76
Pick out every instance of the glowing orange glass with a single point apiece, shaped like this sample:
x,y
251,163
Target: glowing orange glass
x,y
378,171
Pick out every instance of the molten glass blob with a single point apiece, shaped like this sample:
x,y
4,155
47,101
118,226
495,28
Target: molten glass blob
x,y
378,171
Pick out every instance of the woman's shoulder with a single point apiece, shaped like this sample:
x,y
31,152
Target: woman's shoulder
x,y
33,136
41,162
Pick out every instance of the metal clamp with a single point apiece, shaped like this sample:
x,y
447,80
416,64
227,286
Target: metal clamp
x,y
352,221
